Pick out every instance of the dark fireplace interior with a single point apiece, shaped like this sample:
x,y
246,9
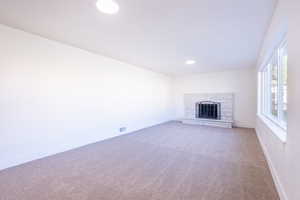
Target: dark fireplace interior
x,y
208,110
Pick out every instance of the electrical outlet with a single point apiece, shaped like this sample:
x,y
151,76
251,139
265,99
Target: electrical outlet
x,y
122,129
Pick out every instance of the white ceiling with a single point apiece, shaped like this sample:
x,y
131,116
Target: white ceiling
x,y
156,34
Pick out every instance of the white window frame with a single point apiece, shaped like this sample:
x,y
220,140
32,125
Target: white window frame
x,y
265,88
282,46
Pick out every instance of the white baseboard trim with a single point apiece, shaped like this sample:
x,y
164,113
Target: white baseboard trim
x,y
279,187
240,124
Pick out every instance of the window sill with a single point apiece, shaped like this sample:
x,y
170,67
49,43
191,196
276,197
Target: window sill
x,y
277,130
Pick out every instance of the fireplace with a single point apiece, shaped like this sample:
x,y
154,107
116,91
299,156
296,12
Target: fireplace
x,y
208,110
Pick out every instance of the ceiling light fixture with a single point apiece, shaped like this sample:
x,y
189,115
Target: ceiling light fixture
x,y
107,6
190,62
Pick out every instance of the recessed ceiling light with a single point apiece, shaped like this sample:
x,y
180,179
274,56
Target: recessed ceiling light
x,y
190,62
107,6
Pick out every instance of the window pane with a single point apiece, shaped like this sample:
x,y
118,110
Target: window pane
x,y
284,83
265,91
274,88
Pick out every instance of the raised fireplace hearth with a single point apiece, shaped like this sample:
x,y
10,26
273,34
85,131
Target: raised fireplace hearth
x,y
209,109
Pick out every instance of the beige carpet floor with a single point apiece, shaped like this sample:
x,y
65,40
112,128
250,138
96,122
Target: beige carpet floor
x,y
171,161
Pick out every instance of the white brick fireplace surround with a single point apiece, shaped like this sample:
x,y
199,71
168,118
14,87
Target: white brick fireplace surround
x,y
226,101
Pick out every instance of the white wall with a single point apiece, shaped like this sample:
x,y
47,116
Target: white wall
x,y
240,82
55,97
283,157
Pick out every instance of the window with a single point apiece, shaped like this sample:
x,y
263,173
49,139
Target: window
x,y
274,87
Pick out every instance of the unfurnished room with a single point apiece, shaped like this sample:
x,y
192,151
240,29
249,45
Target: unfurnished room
x,y
149,100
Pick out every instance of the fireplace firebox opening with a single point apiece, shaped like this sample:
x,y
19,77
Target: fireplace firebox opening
x,y
208,110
